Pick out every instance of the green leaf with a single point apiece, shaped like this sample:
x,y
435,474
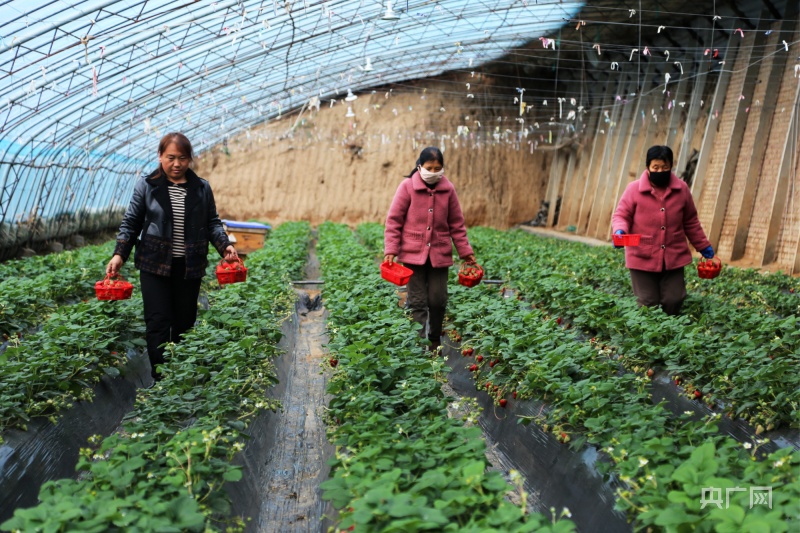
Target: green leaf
x,y
675,516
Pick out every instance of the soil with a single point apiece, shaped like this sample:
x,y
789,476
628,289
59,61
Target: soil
x,y
297,462
296,450
320,165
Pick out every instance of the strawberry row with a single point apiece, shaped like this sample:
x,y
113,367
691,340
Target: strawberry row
x,y
603,267
665,463
60,363
752,376
35,286
165,469
401,463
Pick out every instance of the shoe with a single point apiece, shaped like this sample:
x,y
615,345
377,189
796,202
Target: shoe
x,y
434,346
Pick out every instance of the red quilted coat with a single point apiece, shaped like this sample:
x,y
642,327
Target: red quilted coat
x,y
422,222
664,224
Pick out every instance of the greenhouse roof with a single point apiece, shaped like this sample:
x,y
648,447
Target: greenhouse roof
x,y
89,87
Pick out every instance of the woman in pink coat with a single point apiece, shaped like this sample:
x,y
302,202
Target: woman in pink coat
x,y
424,218
659,207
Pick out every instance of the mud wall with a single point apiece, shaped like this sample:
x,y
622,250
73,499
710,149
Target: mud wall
x,y
320,165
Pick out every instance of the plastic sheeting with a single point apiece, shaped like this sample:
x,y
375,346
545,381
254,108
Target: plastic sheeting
x,y
90,86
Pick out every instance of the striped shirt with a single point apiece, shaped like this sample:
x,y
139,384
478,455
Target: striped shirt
x,y
177,195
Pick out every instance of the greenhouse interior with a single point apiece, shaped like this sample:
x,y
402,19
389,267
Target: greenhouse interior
x,y
379,266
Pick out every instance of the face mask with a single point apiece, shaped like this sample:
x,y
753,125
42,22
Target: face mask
x,y
660,179
430,177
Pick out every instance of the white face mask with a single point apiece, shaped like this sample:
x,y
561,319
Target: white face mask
x,y
430,177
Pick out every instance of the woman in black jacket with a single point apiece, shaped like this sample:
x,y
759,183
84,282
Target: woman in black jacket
x,y
171,219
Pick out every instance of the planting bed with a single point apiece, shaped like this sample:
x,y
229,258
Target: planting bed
x,y
593,396
166,467
603,416
402,464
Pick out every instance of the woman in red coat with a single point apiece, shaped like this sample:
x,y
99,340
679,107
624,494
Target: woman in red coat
x,y
659,207
424,218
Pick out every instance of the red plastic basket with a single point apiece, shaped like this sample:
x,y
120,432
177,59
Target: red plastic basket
x,y
470,274
709,268
395,273
231,271
626,240
113,288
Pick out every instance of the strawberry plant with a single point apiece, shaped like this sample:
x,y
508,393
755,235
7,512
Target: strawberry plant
x,y
33,287
166,468
699,346
590,401
401,464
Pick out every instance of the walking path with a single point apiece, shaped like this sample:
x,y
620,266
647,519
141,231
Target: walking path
x,y
297,464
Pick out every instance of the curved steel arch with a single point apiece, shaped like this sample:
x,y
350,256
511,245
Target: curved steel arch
x,y
80,80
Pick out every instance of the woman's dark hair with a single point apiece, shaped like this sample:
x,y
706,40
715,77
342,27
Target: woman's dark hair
x,y
431,153
181,142
663,153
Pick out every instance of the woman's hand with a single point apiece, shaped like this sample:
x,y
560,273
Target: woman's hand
x,y
618,232
470,259
389,258
114,265
230,253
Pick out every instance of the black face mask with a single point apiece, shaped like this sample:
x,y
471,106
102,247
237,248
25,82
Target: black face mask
x,y
660,179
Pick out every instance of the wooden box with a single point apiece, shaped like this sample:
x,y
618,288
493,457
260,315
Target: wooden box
x,y
246,236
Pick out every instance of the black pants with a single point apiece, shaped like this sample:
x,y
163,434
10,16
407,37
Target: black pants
x,y
170,309
427,298
666,288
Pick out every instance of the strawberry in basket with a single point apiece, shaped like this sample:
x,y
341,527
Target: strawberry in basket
x,y
231,271
113,288
470,274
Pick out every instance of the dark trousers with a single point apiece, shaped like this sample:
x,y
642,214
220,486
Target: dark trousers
x,y
427,298
170,309
666,288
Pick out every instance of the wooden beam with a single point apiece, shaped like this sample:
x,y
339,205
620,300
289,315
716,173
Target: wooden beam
x,y
785,170
590,202
730,158
633,147
691,120
554,187
590,168
785,176
569,174
675,116
606,206
759,148
712,124
573,192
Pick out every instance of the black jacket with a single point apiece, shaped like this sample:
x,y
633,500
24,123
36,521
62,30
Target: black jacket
x,y
148,225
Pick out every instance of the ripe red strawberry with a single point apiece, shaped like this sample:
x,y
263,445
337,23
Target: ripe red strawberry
x,y
698,394
558,321
515,395
465,352
488,385
791,290
479,358
503,402
473,368
494,362
470,351
650,372
334,362
677,381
